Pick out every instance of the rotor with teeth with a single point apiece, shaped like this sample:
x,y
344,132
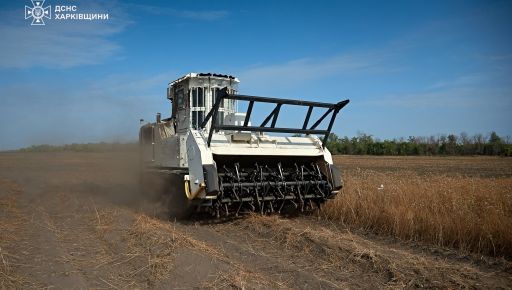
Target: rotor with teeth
x,y
267,189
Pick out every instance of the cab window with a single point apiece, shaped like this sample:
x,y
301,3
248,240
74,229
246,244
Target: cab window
x,y
197,97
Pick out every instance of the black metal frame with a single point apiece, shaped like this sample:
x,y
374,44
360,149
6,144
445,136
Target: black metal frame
x,y
223,94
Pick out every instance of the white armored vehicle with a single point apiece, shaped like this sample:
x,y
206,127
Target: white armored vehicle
x,y
225,164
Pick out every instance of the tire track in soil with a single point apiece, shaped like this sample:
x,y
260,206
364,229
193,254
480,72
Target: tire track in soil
x,y
256,256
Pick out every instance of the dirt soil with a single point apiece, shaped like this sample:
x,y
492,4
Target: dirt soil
x,y
78,220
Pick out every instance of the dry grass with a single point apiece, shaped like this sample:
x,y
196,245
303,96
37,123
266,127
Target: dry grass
x,y
159,242
10,223
469,213
241,278
330,254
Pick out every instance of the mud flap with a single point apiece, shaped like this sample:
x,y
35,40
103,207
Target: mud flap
x,y
337,182
211,179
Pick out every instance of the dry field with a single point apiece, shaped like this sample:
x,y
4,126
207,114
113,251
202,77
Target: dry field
x,y
461,202
77,220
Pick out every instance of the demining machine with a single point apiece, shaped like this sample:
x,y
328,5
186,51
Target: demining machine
x,y
221,162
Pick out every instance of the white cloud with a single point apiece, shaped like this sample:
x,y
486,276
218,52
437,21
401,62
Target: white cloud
x,y
59,44
306,69
461,81
206,15
462,92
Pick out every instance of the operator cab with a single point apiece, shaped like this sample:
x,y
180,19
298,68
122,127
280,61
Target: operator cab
x,y
193,96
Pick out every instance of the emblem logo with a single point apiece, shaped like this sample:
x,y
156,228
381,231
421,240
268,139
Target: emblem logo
x,y
37,12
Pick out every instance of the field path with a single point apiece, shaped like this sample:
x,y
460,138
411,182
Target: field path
x,y
73,221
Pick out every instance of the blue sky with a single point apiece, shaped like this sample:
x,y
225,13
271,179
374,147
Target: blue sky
x,y
409,67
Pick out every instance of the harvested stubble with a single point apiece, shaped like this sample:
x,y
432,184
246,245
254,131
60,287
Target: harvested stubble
x,y
469,213
159,242
11,222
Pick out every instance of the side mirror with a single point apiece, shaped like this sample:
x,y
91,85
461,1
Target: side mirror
x,y
169,94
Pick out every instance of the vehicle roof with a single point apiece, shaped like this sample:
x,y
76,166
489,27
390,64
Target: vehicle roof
x,y
205,75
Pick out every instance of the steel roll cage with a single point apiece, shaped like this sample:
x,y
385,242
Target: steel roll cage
x,y
332,109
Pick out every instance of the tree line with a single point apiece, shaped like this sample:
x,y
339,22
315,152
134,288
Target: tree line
x,y
451,144
362,144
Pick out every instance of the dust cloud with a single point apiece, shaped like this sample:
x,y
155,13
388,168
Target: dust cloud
x,y
105,179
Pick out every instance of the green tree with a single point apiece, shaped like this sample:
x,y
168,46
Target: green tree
x,y
333,142
495,145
